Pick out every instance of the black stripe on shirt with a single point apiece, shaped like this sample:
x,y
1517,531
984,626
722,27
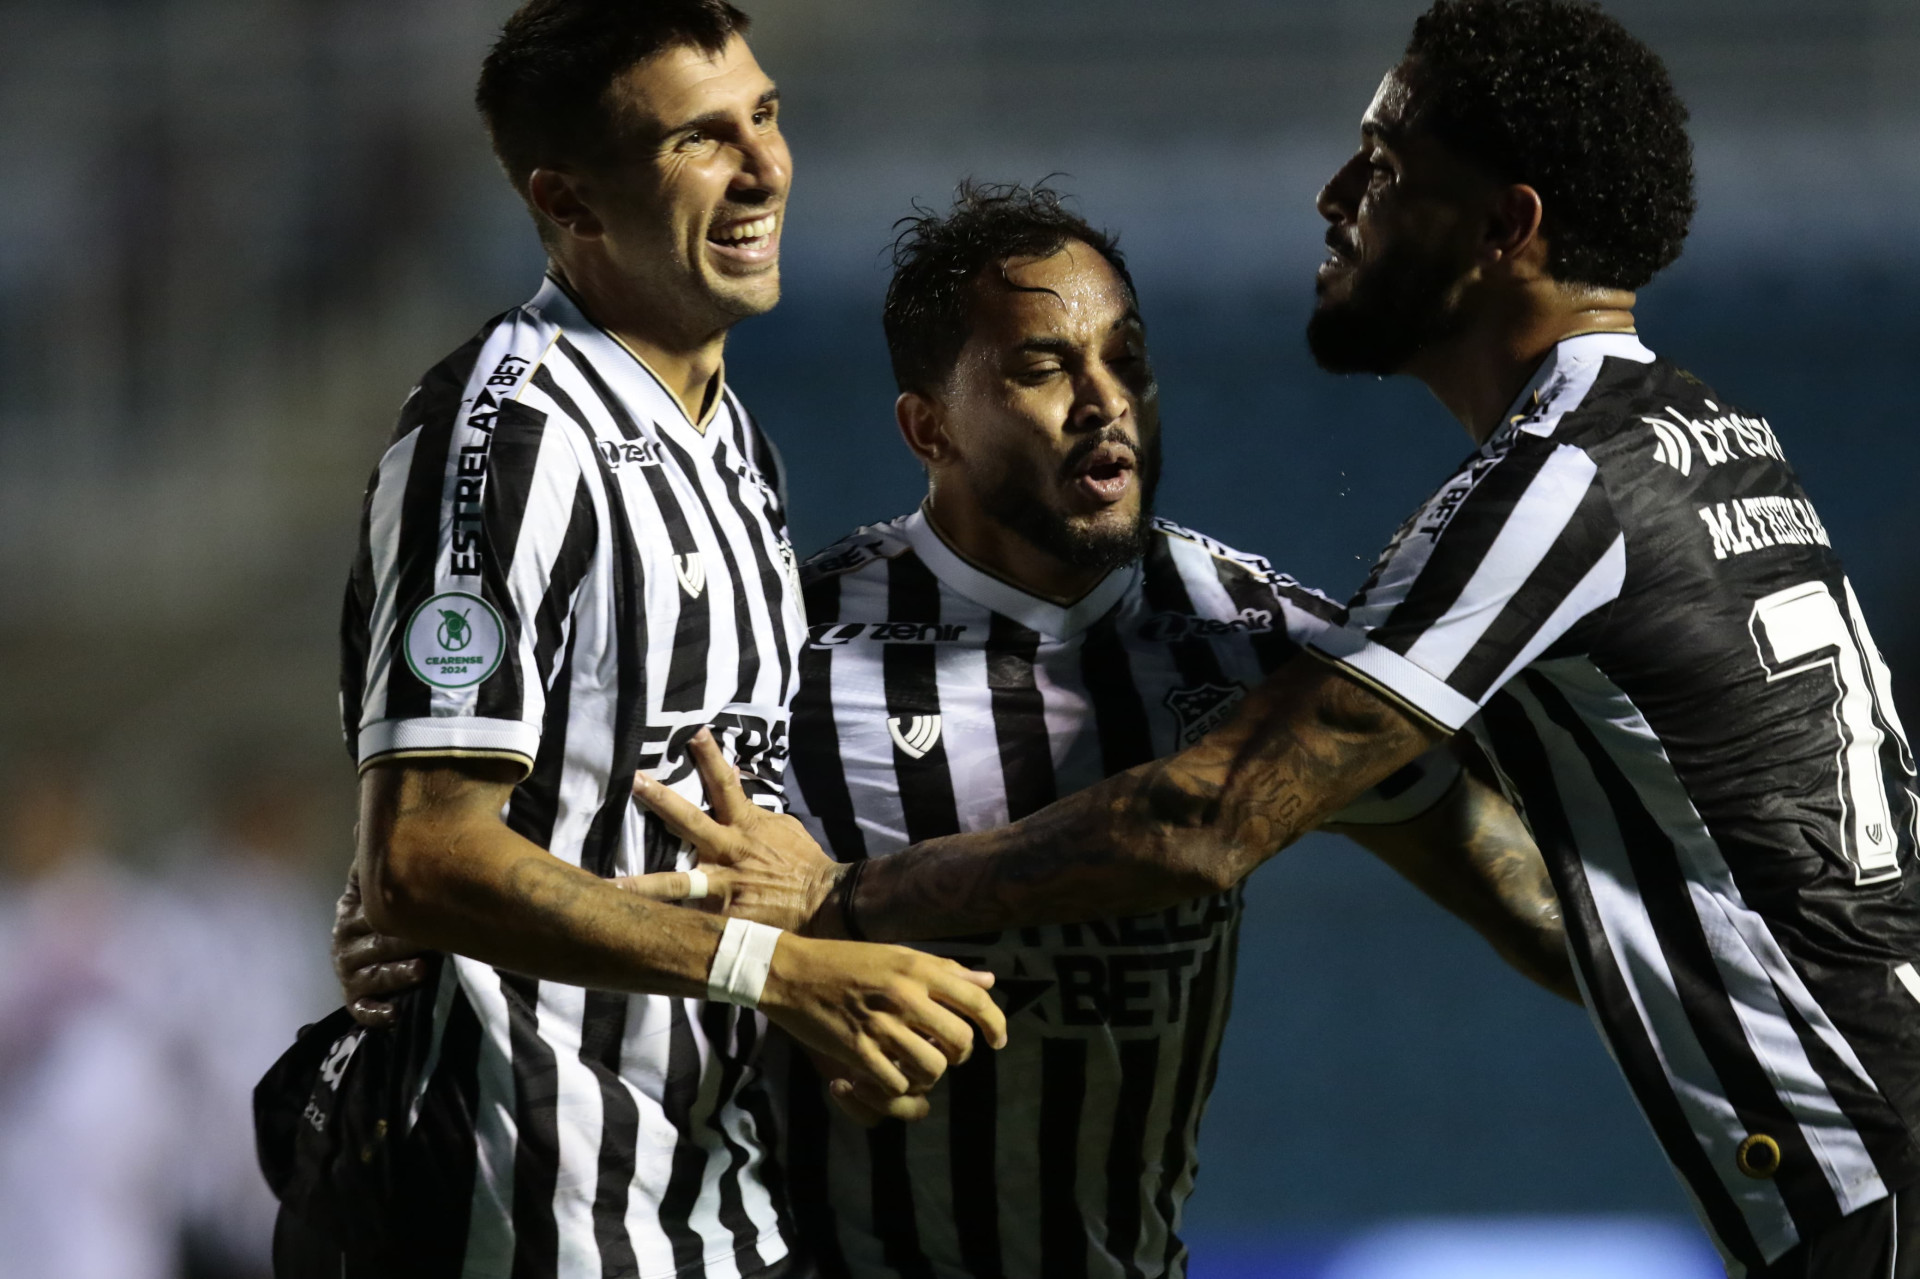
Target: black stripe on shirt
x,y
1523,757
815,736
356,625
1664,893
719,1022
1127,1149
808,1146
763,537
894,1222
536,1150
1063,1090
1579,547
511,461
1119,712
417,554
603,1028
1019,717
912,690
679,1095
686,688
569,570
973,1117
746,647
1166,592
1249,591
1189,1085
436,1198
1476,523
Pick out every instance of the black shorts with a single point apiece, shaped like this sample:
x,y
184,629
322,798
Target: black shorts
x,y
1880,1241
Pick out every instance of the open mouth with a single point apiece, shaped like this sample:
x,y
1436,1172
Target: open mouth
x,y
749,240
1105,474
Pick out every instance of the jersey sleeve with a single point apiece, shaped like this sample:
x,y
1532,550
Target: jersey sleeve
x,y
1404,795
480,527
1512,553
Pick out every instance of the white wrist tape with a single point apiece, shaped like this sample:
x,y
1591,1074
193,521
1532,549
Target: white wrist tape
x,y
697,886
739,971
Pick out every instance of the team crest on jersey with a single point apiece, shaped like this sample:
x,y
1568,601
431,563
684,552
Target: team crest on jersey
x,y
692,573
455,640
915,735
1200,709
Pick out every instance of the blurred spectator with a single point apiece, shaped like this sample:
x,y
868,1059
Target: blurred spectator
x,y
136,1013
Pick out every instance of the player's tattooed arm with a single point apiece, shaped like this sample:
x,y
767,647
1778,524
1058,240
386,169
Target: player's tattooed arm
x,y
1472,854
1301,746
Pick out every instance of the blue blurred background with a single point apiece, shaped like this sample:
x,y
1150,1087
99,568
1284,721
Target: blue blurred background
x,y
233,233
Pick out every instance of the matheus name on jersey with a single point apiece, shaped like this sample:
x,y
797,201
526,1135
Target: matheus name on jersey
x,y
557,567
1627,598
936,699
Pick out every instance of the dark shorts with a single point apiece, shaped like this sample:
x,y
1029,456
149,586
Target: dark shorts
x,y
1881,1241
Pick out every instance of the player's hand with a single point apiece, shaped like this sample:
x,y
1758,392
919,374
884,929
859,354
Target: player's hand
x,y
889,1019
862,1103
370,965
759,865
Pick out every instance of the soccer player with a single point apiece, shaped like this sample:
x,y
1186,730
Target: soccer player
x,y
1623,595
1028,631
573,562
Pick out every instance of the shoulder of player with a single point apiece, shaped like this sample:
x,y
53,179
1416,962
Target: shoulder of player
x,y
1253,575
860,553
490,367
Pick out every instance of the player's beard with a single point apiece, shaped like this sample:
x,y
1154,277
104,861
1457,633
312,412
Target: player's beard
x,y
1016,500
1398,305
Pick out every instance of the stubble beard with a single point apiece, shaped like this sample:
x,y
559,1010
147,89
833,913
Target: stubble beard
x,y
1015,499
1397,306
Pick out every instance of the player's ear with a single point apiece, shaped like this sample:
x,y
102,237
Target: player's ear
x,y
923,425
1513,224
556,196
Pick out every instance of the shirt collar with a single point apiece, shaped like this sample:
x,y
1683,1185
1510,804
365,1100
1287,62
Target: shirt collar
x,y
1055,621
559,305
1564,378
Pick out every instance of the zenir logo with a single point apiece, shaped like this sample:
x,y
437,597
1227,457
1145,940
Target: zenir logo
x,y
1670,445
691,572
915,735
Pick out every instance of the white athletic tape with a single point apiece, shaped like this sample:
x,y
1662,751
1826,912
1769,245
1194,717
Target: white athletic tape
x,y
696,886
740,966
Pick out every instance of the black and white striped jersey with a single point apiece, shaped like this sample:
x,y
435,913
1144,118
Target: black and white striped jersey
x,y
1627,598
935,698
557,566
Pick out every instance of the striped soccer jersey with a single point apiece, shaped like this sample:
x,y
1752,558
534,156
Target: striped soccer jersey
x,y
557,566
936,699
1628,600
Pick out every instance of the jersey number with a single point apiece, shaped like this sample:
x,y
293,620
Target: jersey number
x,y
1804,629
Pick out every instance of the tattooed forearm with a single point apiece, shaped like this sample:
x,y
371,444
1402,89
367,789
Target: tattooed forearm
x,y
1472,854
1163,833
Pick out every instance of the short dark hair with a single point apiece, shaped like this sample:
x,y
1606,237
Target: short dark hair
x,y
937,258
543,88
1558,95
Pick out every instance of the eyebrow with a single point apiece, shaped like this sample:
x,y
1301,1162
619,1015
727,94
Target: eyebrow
x,y
1062,346
714,118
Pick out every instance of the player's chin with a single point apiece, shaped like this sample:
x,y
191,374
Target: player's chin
x,y
746,293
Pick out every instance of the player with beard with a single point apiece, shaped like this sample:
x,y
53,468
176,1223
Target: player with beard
x,y
1029,630
1623,595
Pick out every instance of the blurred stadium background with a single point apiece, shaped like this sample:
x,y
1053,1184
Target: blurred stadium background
x,y
233,232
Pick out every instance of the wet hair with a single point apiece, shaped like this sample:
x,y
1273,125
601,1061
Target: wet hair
x,y
938,258
1558,95
543,89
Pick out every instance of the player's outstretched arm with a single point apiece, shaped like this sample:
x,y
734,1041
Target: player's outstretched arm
x,y
1301,746
1472,854
438,866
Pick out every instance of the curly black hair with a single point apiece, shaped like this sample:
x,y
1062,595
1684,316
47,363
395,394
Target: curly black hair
x,y
543,87
1559,96
938,257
